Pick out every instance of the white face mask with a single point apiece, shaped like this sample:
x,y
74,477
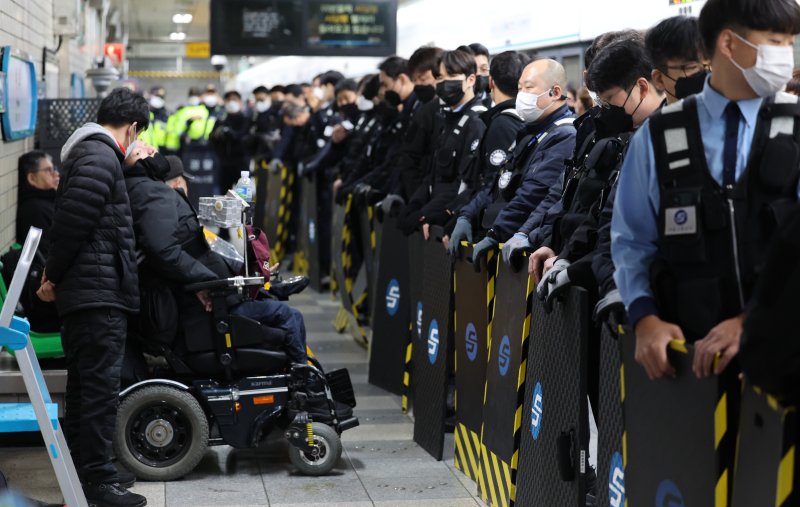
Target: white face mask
x,y
364,104
262,106
773,68
528,106
319,93
210,100
194,101
233,107
156,102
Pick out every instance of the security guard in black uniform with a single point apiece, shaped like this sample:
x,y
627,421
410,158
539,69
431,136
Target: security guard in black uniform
x,y
705,185
457,146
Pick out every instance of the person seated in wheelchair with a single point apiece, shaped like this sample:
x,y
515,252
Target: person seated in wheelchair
x,y
173,253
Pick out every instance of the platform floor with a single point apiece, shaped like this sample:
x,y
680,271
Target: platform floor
x,y
380,466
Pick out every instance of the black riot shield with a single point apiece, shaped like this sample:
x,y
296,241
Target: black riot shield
x,y
680,433
555,432
416,269
200,161
610,465
307,257
766,459
390,314
471,351
369,251
505,383
432,354
268,201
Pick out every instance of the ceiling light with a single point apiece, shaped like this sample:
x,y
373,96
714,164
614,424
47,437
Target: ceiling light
x,y
177,36
182,19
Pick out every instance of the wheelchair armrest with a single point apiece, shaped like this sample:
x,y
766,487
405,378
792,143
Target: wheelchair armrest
x,y
225,283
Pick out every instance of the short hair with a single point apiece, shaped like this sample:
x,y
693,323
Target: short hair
x,y
585,98
331,77
604,39
468,50
675,38
346,85
210,88
260,89
372,87
620,64
394,66
232,93
29,162
781,16
506,69
425,58
457,62
278,89
294,89
194,91
479,49
122,107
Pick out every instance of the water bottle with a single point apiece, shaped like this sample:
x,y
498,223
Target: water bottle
x,y
245,187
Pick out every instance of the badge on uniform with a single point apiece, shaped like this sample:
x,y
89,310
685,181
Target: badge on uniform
x,y
497,157
505,178
680,221
474,145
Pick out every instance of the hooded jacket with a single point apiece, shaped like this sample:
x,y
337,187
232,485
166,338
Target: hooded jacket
x,y
34,209
91,259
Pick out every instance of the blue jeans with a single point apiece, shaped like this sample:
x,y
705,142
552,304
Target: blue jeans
x,y
278,314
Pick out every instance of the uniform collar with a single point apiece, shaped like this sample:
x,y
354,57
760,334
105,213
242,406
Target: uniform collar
x,y
716,103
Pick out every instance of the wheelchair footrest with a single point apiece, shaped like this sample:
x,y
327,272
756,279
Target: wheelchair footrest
x,y
348,424
341,386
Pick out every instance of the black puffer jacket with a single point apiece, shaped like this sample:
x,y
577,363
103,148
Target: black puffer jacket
x,y
91,260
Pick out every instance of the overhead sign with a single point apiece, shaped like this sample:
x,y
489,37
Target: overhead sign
x,y
308,28
198,50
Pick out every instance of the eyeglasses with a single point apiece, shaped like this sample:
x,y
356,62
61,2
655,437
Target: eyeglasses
x,y
605,105
688,69
49,170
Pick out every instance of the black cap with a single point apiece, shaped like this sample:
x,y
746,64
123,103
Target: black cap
x,y
176,169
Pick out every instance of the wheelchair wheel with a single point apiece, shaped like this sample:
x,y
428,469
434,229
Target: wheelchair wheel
x,y
326,453
161,434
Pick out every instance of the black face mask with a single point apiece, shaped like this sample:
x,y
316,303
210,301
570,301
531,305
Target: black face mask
x,y
393,98
425,93
350,112
481,84
451,91
691,85
612,121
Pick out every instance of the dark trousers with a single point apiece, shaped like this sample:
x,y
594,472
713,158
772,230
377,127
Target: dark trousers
x,y
94,345
279,315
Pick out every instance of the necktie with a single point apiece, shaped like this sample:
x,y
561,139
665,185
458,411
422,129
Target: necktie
x,y
732,117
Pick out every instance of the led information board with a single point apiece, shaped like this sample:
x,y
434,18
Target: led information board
x,y
307,28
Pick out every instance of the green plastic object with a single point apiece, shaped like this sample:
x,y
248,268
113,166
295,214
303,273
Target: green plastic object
x,y
46,345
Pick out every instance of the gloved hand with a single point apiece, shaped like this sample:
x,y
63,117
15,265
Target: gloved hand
x,y
390,202
611,303
480,250
515,246
462,231
362,188
543,289
301,169
275,165
558,283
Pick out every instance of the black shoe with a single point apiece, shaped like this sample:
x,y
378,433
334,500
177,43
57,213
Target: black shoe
x,y
112,495
284,288
125,478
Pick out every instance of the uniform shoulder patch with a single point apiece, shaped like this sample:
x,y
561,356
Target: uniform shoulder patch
x,y
474,145
497,157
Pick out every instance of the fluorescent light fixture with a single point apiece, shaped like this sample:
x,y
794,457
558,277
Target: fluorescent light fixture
x,y
177,36
182,19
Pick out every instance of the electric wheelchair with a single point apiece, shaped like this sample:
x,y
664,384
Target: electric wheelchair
x,y
232,385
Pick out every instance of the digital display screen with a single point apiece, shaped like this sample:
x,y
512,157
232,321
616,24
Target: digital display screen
x,y
681,2
307,28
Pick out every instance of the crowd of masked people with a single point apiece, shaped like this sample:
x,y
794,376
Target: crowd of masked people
x,y
666,186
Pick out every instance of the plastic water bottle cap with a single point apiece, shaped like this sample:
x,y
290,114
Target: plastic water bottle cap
x,y
245,175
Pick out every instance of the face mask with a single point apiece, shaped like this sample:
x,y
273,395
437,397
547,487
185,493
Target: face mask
x,y
392,98
364,104
233,107
773,68
194,101
210,100
318,93
451,91
528,105
481,84
262,106
425,93
350,112
691,85
156,102
612,121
